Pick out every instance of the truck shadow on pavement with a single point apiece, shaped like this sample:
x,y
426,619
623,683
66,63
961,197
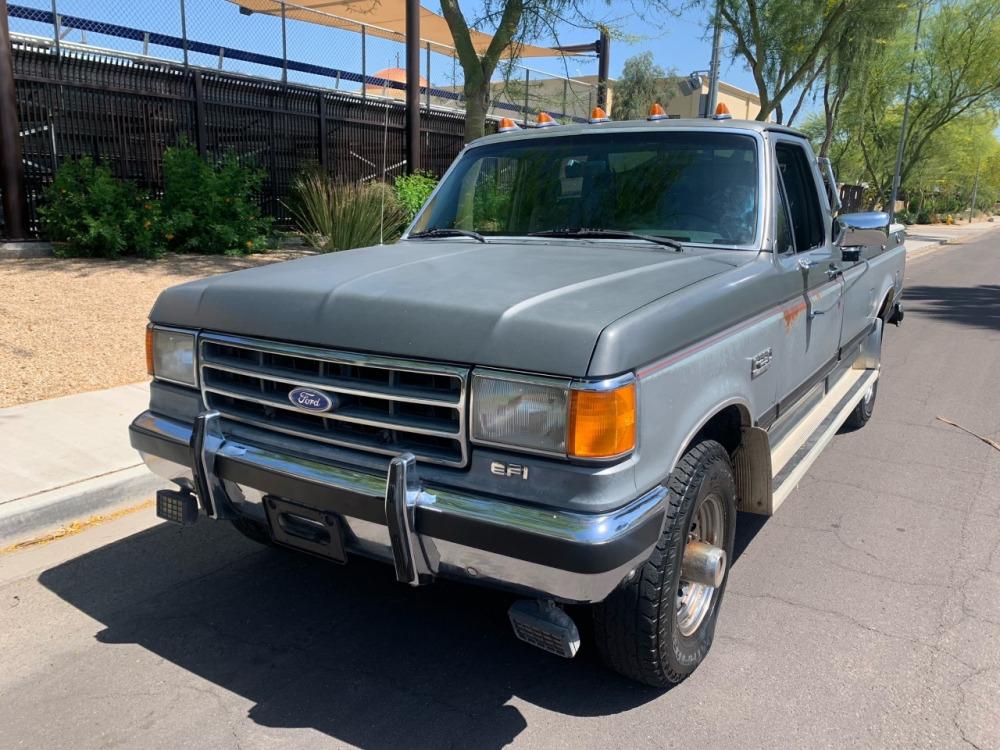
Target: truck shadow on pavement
x,y
343,650
976,306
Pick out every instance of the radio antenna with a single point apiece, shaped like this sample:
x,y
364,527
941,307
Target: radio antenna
x,y
385,148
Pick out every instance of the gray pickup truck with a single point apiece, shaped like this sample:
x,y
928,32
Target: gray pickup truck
x,y
594,346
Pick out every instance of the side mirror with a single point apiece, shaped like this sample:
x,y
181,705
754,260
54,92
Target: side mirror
x,y
854,232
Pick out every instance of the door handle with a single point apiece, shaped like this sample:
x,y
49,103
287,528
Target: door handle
x,y
833,272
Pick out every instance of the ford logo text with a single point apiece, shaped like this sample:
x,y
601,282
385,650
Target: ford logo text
x,y
307,398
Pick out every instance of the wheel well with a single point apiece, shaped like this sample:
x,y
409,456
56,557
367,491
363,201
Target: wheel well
x,y
883,312
749,450
725,427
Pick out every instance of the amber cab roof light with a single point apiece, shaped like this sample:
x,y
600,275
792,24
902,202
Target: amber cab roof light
x,y
545,120
507,125
657,112
597,114
722,112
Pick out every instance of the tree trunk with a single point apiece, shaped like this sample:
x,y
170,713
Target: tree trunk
x,y
477,104
824,149
766,107
478,68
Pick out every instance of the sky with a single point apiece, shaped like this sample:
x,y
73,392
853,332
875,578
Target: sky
x,y
679,43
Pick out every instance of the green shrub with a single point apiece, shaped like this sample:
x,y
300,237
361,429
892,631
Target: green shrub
x,y
413,190
491,206
212,209
97,215
341,217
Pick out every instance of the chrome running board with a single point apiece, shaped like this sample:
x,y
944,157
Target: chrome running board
x,y
792,456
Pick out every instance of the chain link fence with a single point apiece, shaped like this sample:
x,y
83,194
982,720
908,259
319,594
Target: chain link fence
x,y
293,44
122,82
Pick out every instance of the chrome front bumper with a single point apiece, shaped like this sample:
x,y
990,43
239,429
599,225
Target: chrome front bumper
x,y
423,529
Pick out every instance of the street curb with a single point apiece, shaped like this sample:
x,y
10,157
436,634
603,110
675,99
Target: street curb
x,y
26,249
926,248
26,516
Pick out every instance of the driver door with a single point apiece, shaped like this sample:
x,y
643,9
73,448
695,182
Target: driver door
x,y
813,315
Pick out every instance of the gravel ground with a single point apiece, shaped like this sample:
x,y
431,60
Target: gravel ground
x,y
72,325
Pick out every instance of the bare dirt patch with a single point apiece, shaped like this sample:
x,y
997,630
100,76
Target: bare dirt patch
x,y
73,325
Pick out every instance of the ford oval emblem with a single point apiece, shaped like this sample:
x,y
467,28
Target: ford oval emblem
x,y
307,398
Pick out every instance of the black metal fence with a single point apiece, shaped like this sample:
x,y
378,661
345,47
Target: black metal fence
x,y
852,198
124,111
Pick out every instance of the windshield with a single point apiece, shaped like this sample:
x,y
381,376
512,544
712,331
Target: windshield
x,y
695,187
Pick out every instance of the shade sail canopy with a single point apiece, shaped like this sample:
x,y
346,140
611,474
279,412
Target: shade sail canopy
x,y
385,19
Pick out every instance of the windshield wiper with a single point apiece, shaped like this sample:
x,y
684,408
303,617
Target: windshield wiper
x,y
447,232
609,234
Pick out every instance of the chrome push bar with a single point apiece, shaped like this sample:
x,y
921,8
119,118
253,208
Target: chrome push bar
x,y
423,529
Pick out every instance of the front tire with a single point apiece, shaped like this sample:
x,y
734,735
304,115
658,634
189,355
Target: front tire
x,y
656,628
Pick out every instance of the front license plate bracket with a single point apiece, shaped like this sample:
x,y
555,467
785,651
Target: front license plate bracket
x,y
306,529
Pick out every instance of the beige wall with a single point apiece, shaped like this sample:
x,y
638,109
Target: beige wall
x,y
547,94
743,105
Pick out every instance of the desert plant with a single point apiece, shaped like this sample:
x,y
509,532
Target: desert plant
x,y
212,208
341,217
413,190
94,214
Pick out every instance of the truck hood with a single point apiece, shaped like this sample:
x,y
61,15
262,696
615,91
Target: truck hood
x,y
531,305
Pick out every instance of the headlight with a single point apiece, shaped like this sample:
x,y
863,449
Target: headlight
x,y
559,417
528,413
170,355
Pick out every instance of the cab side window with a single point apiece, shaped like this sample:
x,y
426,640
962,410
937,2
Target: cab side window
x,y
801,196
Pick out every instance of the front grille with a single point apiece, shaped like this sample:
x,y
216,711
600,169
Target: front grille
x,y
381,405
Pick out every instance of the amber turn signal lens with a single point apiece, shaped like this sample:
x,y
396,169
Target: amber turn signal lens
x,y
602,423
149,350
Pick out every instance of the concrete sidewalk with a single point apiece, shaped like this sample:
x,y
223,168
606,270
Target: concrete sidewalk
x,y
69,457
922,238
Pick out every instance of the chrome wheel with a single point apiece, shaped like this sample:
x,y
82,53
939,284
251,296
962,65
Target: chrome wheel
x,y
870,394
706,540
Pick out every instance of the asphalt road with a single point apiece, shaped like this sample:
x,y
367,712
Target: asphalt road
x,y
865,614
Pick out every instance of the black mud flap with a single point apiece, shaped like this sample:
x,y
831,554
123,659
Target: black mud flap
x,y
306,529
897,315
